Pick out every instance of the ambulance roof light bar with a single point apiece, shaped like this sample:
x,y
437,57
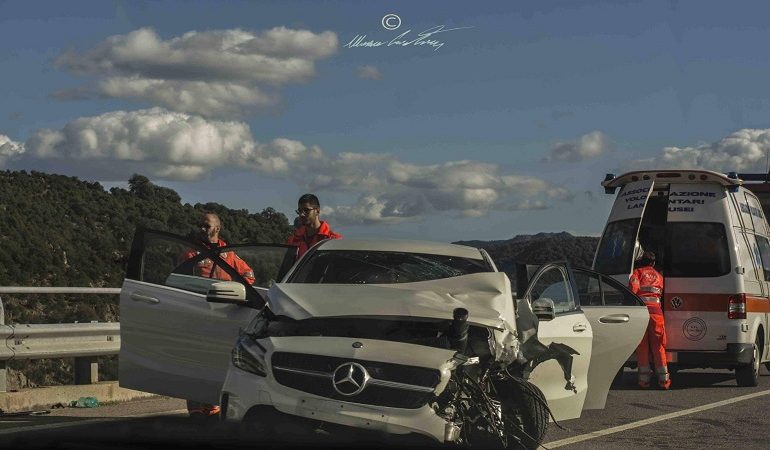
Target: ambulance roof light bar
x,y
670,176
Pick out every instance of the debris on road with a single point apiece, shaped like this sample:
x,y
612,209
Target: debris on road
x,y
85,402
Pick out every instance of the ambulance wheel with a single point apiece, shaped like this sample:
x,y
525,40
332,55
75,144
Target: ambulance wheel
x,y
748,375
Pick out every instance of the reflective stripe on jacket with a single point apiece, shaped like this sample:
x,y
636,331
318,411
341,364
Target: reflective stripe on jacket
x,y
647,283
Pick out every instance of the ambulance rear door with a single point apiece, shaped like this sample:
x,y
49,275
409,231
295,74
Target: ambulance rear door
x,y
615,254
703,252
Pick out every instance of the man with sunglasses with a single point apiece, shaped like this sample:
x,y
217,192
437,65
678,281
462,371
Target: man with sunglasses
x,y
312,229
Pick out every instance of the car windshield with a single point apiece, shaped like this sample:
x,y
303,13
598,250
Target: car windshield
x,y
378,267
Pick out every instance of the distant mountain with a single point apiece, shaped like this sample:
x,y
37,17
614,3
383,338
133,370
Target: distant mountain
x,y
538,249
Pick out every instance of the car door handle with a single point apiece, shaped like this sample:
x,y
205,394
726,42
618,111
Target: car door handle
x,y
614,318
579,327
144,298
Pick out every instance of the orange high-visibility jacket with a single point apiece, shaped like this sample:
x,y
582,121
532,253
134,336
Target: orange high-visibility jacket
x,y
204,266
304,242
647,283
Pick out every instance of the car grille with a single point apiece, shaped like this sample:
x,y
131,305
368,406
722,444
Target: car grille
x,y
391,385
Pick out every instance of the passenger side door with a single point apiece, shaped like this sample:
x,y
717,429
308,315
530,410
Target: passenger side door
x,y
569,327
173,341
618,320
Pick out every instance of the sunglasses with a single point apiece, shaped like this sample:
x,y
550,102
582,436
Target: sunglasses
x,y
304,211
205,226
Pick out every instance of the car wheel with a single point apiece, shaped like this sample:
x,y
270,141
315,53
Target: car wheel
x,y
525,413
748,375
258,425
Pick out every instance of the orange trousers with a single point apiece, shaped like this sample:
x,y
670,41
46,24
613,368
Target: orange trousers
x,y
653,341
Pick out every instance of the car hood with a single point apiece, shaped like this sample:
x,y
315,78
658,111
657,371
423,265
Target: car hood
x,y
486,296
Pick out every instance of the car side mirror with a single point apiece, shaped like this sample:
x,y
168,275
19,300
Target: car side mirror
x,y
227,292
544,309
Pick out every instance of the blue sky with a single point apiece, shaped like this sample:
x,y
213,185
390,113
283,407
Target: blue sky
x,y
506,129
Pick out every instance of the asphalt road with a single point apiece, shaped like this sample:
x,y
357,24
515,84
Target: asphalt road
x,y
703,410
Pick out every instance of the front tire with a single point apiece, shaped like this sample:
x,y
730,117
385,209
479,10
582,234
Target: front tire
x,y
525,412
748,375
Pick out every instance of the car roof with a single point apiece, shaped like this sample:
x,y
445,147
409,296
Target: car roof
x,y
402,245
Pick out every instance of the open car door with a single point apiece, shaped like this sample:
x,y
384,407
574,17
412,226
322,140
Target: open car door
x,y
615,253
570,327
618,319
173,340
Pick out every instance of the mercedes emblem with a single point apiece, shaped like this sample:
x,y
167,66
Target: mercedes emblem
x,y
350,379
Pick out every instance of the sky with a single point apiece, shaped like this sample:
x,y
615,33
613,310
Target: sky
x,y
442,120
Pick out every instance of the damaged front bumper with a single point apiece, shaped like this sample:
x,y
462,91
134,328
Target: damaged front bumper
x,y
318,378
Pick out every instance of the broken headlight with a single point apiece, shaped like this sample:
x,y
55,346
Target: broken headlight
x,y
248,355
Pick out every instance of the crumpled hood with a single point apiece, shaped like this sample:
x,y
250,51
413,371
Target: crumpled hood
x,y
486,296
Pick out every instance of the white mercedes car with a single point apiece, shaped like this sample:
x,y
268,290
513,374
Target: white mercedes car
x,y
391,336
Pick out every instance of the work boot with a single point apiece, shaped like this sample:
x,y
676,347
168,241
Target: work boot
x,y
644,377
664,380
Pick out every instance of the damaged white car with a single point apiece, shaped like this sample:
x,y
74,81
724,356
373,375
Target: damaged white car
x,y
397,337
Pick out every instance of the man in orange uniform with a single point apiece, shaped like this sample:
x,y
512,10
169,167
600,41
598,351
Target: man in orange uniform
x,y
208,235
312,229
647,283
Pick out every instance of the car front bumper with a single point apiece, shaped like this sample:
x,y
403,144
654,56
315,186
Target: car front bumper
x,y
243,391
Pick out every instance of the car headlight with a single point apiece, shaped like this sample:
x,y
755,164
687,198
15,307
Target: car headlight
x,y
249,356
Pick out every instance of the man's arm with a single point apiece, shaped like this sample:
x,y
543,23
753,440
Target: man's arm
x,y
243,269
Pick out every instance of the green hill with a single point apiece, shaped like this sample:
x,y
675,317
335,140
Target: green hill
x,y
60,231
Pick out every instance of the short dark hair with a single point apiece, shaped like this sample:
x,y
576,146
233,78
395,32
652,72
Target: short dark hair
x,y
309,198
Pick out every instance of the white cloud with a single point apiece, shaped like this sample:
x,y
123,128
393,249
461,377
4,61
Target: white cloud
x,y
211,73
369,72
165,144
588,146
180,146
745,150
9,149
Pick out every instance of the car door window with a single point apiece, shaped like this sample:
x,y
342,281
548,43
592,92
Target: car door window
x,y
615,294
554,284
588,287
596,289
176,263
169,260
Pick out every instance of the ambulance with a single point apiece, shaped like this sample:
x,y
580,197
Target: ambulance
x,y
712,244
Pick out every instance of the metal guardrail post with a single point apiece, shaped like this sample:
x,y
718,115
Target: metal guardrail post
x,y
67,338
86,370
3,364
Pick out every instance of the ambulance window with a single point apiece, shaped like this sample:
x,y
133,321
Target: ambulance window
x,y
616,247
697,249
764,253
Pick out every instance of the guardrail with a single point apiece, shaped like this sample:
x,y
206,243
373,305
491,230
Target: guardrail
x,y
82,341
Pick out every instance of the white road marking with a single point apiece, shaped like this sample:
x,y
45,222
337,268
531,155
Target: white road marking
x,y
651,420
73,423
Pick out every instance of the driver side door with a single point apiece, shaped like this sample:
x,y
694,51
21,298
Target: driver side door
x,y
173,341
570,327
